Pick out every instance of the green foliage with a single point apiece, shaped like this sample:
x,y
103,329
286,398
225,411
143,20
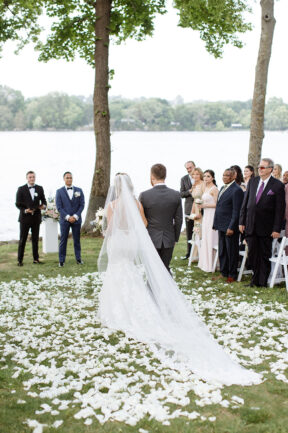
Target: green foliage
x,y
218,21
60,111
72,25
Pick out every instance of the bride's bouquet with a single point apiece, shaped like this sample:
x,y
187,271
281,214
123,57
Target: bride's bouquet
x,y
97,223
51,210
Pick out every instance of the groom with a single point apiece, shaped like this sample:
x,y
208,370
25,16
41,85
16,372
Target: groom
x,y
163,210
70,204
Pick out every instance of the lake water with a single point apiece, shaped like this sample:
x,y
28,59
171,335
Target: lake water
x,y
50,154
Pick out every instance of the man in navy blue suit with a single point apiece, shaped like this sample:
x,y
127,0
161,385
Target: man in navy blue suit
x,y
226,221
70,204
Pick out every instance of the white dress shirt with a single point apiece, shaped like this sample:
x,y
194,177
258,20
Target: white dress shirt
x,y
226,186
159,184
70,193
265,183
31,190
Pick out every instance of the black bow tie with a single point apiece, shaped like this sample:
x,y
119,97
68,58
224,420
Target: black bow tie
x,y
31,187
69,188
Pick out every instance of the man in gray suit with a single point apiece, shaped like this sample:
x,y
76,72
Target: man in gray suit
x,y
163,210
186,192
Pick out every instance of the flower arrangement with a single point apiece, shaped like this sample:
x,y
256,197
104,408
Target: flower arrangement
x,y
97,223
198,201
51,210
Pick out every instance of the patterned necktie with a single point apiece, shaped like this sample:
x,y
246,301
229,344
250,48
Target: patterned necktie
x,y
259,193
222,191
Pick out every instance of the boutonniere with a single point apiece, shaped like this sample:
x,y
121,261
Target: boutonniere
x,y
35,194
270,192
77,194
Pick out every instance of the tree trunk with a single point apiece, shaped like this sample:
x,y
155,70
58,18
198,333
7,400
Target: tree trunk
x,y
260,86
101,177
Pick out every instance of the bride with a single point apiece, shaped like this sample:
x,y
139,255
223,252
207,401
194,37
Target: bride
x,y
140,298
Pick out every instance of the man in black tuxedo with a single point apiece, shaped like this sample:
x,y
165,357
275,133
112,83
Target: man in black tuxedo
x,y
163,210
186,192
226,221
261,218
30,199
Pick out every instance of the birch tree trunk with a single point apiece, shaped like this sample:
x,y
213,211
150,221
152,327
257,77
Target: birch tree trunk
x,y
101,177
261,76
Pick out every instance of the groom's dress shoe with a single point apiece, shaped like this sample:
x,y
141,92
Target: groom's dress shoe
x,y
20,264
61,264
37,262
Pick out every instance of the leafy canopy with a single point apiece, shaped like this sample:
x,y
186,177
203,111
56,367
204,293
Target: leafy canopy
x,y
218,21
72,23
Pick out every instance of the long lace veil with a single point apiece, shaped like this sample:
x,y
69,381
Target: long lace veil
x,y
156,311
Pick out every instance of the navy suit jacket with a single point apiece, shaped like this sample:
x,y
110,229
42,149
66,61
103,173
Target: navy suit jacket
x,y
228,209
66,206
267,215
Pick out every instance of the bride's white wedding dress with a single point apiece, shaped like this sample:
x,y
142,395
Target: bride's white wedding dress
x,y
140,298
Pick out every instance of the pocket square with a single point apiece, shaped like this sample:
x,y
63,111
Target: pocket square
x,y
270,192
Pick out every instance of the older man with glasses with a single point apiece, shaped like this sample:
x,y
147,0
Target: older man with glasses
x,y
261,219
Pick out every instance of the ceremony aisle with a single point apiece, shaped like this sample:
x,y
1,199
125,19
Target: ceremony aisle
x,y
61,372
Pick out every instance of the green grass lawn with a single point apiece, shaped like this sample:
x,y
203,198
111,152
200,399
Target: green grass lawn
x,y
55,311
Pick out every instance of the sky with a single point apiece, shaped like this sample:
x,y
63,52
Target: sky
x,y
173,62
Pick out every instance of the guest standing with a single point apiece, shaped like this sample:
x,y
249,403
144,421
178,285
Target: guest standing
x,y
186,192
30,199
226,221
70,204
277,171
261,218
285,177
209,236
239,179
247,174
286,214
197,192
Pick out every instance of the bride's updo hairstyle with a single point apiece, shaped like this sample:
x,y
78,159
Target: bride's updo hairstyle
x,y
118,183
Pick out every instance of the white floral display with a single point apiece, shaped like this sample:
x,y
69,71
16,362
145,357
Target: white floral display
x,y
97,223
50,330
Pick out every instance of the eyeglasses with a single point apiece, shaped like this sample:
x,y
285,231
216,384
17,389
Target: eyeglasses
x,y
261,167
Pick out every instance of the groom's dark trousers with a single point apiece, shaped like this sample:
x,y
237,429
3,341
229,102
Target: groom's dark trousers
x,y
28,221
163,210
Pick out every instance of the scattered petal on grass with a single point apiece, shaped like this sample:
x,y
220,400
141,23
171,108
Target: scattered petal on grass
x,y
52,335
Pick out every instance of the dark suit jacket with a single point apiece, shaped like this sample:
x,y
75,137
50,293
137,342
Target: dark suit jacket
x,y
228,209
267,215
24,201
163,210
66,206
186,185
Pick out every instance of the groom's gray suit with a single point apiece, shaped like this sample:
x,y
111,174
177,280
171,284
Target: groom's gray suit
x,y
163,210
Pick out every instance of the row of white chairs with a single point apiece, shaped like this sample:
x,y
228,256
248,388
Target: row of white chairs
x,y
279,259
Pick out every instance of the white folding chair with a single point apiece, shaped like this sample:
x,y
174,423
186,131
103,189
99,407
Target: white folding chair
x,y
195,242
280,260
244,254
216,256
242,270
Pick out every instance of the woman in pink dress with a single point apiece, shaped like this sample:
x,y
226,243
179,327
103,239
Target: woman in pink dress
x,y
209,236
286,215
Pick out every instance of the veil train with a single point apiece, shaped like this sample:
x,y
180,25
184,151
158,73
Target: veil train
x,y
140,298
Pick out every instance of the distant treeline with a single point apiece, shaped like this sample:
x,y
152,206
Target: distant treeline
x,y
58,111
